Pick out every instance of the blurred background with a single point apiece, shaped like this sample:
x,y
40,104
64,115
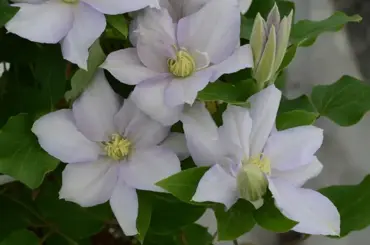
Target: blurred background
x,y
345,153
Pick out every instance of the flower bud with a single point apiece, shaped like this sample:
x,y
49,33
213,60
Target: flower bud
x,y
269,42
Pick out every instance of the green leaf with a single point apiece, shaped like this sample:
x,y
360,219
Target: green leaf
x,y
20,154
69,218
82,78
19,213
296,112
119,23
236,221
195,234
170,215
49,74
7,13
301,103
289,56
21,237
296,118
144,216
344,102
310,30
183,184
236,94
352,203
270,218
246,27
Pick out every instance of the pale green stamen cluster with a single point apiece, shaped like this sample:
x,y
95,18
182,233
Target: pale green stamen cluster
x,y
184,64
118,147
252,183
71,1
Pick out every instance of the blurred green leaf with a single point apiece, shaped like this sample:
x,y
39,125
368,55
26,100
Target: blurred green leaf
x,y
21,237
352,203
236,221
194,234
296,118
82,78
270,218
170,215
246,28
144,216
119,23
310,30
345,102
20,154
19,214
7,13
69,218
183,184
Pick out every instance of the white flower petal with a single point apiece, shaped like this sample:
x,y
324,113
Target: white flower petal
x,y
48,22
95,108
4,179
216,185
240,59
156,39
88,25
89,184
147,166
58,135
138,127
294,147
114,7
264,107
244,5
298,176
237,126
176,142
185,90
126,66
149,97
198,32
201,135
125,206
315,213
179,9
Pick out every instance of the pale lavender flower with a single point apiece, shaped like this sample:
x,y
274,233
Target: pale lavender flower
x,y
76,24
173,61
111,151
248,155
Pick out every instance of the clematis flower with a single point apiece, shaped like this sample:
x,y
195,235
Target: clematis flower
x,y
172,62
110,151
76,24
248,155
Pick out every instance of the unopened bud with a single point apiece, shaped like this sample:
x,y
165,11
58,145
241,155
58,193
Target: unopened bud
x,y
269,42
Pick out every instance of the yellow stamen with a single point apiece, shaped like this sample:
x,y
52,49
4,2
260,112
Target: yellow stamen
x,y
184,64
118,147
263,163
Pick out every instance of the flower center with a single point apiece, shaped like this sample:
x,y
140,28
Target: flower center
x,y
184,64
251,179
118,147
262,162
70,1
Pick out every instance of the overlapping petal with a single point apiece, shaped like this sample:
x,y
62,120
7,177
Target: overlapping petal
x,y
88,25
